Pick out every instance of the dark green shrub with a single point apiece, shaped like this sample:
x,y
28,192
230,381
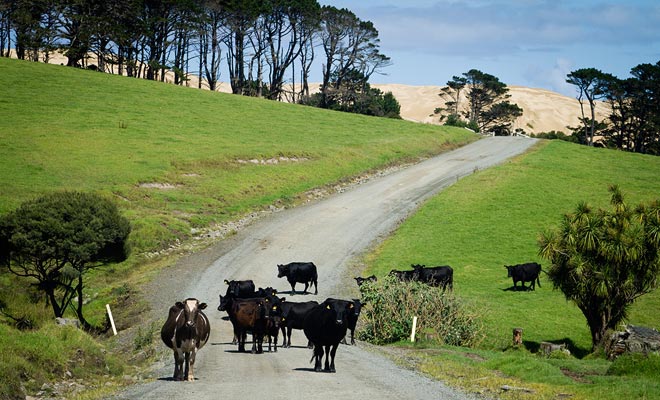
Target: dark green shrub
x,y
391,305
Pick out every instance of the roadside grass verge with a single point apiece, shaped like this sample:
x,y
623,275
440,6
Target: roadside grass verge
x,y
492,218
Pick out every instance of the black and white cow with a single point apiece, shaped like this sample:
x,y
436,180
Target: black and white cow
x,y
299,272
527,272
185,331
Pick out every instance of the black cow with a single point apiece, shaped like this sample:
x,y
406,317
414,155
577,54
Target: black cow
x,y
325,326
359,280
240,289
404,276
293,317
352,319
302,272
435,276
527,272
186,330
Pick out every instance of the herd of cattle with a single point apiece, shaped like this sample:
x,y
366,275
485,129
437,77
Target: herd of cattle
x,y
263,314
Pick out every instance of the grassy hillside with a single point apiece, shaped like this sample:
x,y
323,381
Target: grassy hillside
x,y
493,218
71,129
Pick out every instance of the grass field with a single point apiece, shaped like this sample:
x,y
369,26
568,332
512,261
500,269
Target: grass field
x,y
174,159
492,219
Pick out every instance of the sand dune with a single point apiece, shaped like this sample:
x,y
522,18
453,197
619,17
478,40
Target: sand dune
x,y
543,110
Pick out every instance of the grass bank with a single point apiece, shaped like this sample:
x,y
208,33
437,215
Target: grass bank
x,y
492,218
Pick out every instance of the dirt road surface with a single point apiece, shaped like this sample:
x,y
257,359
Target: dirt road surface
x,y
330,232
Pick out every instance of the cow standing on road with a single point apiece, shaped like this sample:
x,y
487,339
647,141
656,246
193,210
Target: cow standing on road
x,y
527,272
325,326
186,330
299,272
293,317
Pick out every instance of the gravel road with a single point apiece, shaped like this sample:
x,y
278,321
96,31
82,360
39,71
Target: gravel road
x,y
330,232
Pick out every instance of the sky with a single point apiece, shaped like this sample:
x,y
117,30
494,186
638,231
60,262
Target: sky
x,y
533,43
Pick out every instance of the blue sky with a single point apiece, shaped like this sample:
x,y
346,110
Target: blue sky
x,y
532,43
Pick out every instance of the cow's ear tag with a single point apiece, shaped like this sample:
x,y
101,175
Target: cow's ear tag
x,y
328,306
351,305
274,307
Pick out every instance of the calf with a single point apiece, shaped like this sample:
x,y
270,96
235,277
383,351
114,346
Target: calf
x,y
527,272
435,276
302,272
359,280
293,317
352,319
185,331
325,326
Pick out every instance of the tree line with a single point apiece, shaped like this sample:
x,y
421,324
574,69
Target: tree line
x,y
634,105
269,46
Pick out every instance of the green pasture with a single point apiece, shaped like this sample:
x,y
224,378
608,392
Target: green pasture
x,y
493,218
63,128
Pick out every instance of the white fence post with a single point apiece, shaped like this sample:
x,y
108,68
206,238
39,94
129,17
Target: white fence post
x,y
112,321
414,328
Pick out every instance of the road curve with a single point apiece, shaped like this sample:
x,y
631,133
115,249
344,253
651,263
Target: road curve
x,y
330,233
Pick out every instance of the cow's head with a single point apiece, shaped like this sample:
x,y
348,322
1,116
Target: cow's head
x,y
417,266
339,309
357,307
234,288
224,303
191,308
509,269
282,270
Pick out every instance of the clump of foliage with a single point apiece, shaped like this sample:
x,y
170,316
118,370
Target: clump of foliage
x,y
488,108
354,94
603,260
392,304
56,239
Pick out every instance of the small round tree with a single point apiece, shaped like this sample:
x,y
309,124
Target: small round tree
x,y
603,260
57,238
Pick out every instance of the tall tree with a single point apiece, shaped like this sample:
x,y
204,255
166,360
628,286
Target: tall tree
x,y
603,260
591,84
56,239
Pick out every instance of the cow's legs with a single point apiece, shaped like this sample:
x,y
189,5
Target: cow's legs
x,y
293,288
316,286
332,354
353,336
186,365
191,375
327,358
306,286
178,366
288,334
318,357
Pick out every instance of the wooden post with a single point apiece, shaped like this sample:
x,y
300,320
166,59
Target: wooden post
x,y
517,336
